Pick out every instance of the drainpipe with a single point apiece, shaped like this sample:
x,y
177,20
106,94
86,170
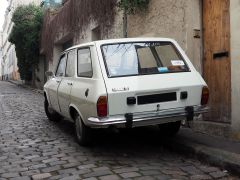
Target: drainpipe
x,y
125,22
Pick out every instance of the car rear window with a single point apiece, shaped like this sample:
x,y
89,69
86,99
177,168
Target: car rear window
x,y
144,58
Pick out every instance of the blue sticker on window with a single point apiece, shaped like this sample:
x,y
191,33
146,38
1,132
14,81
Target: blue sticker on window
x,y
163,69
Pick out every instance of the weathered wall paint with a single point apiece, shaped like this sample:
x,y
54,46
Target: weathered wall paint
x,y
175,19
235,58
114,31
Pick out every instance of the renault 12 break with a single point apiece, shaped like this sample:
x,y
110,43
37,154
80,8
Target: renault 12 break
x,y
125,83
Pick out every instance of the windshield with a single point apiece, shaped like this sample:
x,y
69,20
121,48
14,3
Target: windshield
x,y
129,59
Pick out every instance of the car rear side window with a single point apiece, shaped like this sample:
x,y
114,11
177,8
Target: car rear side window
x,y
61,66
70,70
84,63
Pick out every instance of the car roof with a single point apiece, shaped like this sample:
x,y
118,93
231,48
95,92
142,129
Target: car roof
x,y
122,40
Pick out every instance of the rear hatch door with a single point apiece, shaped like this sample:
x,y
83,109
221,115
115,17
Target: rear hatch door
x,y
152,92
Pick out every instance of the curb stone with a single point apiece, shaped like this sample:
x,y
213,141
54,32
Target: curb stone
x,y
216,157
27,87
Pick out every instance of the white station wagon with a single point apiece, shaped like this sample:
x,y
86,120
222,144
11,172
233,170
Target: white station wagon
x,y
125,83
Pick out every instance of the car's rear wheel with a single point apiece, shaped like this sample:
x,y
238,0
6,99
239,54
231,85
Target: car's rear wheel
x,y
51,114
83,133
170,129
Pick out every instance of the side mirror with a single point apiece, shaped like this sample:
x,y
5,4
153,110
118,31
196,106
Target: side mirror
x,y
49,73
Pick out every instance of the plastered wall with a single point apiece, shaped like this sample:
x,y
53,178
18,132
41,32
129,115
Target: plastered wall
x,y
114,31
177,19
235,62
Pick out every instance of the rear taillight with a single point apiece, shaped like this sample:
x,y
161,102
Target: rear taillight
x,y
205,95
102,106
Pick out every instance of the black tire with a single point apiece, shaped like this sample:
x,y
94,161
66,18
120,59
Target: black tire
x,y
83,133
51,114
170,129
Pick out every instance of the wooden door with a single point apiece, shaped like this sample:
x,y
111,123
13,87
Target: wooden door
x,y
216,62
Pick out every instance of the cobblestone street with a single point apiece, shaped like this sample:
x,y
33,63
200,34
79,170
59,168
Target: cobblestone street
x,y
34,148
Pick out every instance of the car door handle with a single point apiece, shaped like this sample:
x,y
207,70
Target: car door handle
x,y
70,84
86,92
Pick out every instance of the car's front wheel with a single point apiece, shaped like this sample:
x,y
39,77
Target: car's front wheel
x,y
83,133
170,129
51,114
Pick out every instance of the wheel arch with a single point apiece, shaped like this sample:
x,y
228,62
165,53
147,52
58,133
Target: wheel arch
x,y
72,112
46,96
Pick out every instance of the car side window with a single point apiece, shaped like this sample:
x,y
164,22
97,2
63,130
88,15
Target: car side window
x,y
70,70
61,66
84,63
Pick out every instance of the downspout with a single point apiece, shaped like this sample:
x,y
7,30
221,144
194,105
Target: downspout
x,y
125,23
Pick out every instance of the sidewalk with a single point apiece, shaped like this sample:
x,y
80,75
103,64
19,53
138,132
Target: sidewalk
x,y
209,149
20,83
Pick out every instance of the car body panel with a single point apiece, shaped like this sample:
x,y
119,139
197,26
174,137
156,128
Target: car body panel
x,y
82,93
52,92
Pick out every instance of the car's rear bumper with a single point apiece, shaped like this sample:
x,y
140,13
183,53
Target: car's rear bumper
x,y
146,118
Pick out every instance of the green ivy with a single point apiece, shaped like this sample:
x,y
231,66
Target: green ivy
x,y
25,35
132,6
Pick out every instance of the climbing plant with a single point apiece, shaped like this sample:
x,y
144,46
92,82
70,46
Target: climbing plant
x,y
73,18
132,6
25,35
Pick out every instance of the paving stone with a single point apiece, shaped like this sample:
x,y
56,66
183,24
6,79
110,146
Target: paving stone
x,y
126,169
67,171
87,166
179,177
173,172
200,177
218,174
17,169
57,163
41,176
208,169
39,159
30,173
50,160
50,169
57,177
2,171
38,166
31,157
9,175
97,173
150,172
69,165
145,178
191,170
150,168
21,178
92,178
130,175
49,153
75,177
100,169
82,171
110,177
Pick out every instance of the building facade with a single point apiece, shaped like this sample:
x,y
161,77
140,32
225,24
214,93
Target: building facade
x,y
207,30
9,59
1,60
